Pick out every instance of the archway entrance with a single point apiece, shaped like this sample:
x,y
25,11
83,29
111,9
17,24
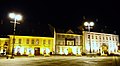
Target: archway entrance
x,y
36,51
104,49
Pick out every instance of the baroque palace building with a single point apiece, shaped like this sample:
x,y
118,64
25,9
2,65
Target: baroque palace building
x,y
66,43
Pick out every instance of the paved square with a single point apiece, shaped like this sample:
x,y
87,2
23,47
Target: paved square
x,y
61,61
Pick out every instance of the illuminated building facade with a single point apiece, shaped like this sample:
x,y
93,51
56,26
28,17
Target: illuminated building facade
x,y
68,44
29,45
4,45
100,42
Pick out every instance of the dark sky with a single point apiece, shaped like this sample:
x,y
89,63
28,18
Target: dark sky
x,y
60,14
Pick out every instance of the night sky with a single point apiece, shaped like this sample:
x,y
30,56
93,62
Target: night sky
x,y
63,15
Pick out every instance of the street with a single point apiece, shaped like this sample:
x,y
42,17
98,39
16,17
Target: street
x,y
61,60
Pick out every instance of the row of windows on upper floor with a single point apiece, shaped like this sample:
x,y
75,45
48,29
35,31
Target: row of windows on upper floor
x,y
33,41
104,38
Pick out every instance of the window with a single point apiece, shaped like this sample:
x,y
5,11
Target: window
x,y
72,43
49,41
96,37
92,37
88,36
27,41
99,37
19,41
32,41
37,41
58,36
68,43
110,38
116,39
113,38
106,38
103,38
44,41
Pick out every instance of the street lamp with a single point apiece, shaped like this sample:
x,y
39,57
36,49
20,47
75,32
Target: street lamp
x,y
16,18
89,25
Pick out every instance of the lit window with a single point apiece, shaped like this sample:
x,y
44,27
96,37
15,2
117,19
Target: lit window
x,y
32,41
27,41
19,41
37,41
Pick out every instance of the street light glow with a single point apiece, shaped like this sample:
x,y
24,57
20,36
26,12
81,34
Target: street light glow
x,y
18,17
91,23
15,16
86,23
12,15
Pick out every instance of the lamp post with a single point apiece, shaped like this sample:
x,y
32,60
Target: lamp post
x,y
16,18
89,25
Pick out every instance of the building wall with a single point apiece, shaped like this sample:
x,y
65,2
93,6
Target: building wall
x,y
4,43
26,45
70,43
97,40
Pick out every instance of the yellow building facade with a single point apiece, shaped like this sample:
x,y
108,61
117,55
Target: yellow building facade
x,y
4,45
29,45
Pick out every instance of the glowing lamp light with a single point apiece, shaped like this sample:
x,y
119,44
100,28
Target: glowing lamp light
x,y
91,23
15,16
18,17
12,15
86,23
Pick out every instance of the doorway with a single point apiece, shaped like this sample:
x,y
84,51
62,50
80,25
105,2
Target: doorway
x,y
104,49
36,51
